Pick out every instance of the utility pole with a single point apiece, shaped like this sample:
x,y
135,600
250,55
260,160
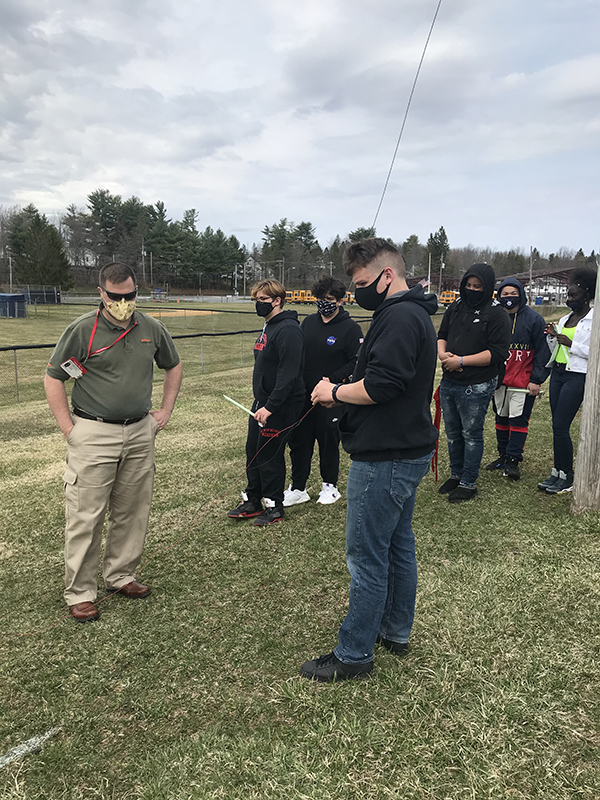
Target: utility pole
x,y
442,265
143,264
586,486
429,272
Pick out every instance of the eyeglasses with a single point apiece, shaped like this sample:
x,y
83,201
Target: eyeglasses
x,y
116,297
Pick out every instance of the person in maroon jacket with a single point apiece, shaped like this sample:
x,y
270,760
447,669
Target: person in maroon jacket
x,y
525,372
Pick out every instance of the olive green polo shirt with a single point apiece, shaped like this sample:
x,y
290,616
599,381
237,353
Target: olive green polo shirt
x,y
118,381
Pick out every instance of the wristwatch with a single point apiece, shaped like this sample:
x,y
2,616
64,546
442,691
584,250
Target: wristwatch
x,y
334,392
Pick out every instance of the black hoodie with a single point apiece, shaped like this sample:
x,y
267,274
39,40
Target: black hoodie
x,y
469,329
397,362
331,347
278,363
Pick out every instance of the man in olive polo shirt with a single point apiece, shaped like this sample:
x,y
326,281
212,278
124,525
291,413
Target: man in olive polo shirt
x,y
110,354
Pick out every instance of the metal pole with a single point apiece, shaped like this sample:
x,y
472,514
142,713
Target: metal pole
x,y
202,353
10,272
429,272
16,375
530,271
241,349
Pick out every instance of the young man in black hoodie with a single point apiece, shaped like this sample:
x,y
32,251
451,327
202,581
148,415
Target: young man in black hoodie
x,y
387,429
473,342
331,339
278,399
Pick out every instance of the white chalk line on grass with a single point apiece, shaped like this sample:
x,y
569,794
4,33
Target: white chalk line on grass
x,y
30,746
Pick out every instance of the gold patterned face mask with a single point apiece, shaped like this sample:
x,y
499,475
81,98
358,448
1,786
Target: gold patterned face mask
x,y
121,309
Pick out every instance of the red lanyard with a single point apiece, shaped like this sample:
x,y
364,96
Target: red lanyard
x,y
102,349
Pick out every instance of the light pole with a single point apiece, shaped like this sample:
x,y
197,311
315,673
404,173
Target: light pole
x,y
442,265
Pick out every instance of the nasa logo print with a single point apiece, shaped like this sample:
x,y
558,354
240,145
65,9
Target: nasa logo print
x,y
331,340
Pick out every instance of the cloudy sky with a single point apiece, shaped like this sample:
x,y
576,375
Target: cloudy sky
x,y
253,110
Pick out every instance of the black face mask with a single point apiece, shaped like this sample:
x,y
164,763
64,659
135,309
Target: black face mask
x,y
576,305
473,297
368,297
263,309
509,302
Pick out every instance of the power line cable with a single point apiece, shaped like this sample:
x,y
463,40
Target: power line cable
x,y
412,91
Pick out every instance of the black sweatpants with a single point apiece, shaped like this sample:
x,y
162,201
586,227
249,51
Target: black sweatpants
x,y
265,453
319,425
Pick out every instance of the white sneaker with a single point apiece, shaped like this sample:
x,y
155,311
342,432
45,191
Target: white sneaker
x,y
329,494
291,497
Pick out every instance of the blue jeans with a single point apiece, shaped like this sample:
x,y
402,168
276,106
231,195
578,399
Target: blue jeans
x,y
464,409
566,396
380,554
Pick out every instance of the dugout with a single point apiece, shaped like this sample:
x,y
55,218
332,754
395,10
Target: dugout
x,y
13,305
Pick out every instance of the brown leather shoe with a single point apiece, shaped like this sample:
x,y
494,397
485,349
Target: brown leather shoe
x,y
132,590
84,612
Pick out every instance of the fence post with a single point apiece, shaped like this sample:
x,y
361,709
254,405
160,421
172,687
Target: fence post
x,y
16,375
241,349
202,353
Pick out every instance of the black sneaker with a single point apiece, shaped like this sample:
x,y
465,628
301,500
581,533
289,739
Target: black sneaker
x,y
462,493
563,484
497,464
246,509
329,668
511,468
543,485
449,485
398,648
270,515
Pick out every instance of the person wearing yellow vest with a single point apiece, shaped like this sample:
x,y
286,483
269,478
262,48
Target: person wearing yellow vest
x,y
569,344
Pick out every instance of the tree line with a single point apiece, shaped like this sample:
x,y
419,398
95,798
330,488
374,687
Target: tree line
x,y
68,251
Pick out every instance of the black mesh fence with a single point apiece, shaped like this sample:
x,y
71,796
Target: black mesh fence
x,y
203,341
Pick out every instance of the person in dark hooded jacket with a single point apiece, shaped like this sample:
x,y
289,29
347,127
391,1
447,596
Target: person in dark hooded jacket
x,y
473,342
526,370
278,399
387,429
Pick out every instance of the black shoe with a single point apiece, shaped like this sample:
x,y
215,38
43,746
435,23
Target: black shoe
x,y
543,485
563,484
449,485
270,515
462,493
497,464
511,468
329,668
246,509
398,648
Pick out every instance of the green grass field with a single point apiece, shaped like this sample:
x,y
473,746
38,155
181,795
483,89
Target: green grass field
x,y
194,692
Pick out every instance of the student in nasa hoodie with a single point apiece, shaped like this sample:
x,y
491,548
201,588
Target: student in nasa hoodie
x,y
332,339
526,371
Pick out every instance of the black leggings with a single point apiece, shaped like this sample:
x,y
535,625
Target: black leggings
x,y
566,397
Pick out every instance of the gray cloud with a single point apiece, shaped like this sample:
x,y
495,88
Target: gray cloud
x,y
250,111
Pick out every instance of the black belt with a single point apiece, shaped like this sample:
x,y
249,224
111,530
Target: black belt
x,y
558,366
130,421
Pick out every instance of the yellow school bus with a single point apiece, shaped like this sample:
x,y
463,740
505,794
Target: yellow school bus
x,y
448,297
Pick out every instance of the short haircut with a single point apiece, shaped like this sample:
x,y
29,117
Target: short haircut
x,y
585,278
327,284
116,272
361,254
270,287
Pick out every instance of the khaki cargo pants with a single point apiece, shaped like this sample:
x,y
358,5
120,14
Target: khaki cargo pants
x,y
109,467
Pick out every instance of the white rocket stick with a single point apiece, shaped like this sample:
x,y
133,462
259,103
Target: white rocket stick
x,y
239,405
